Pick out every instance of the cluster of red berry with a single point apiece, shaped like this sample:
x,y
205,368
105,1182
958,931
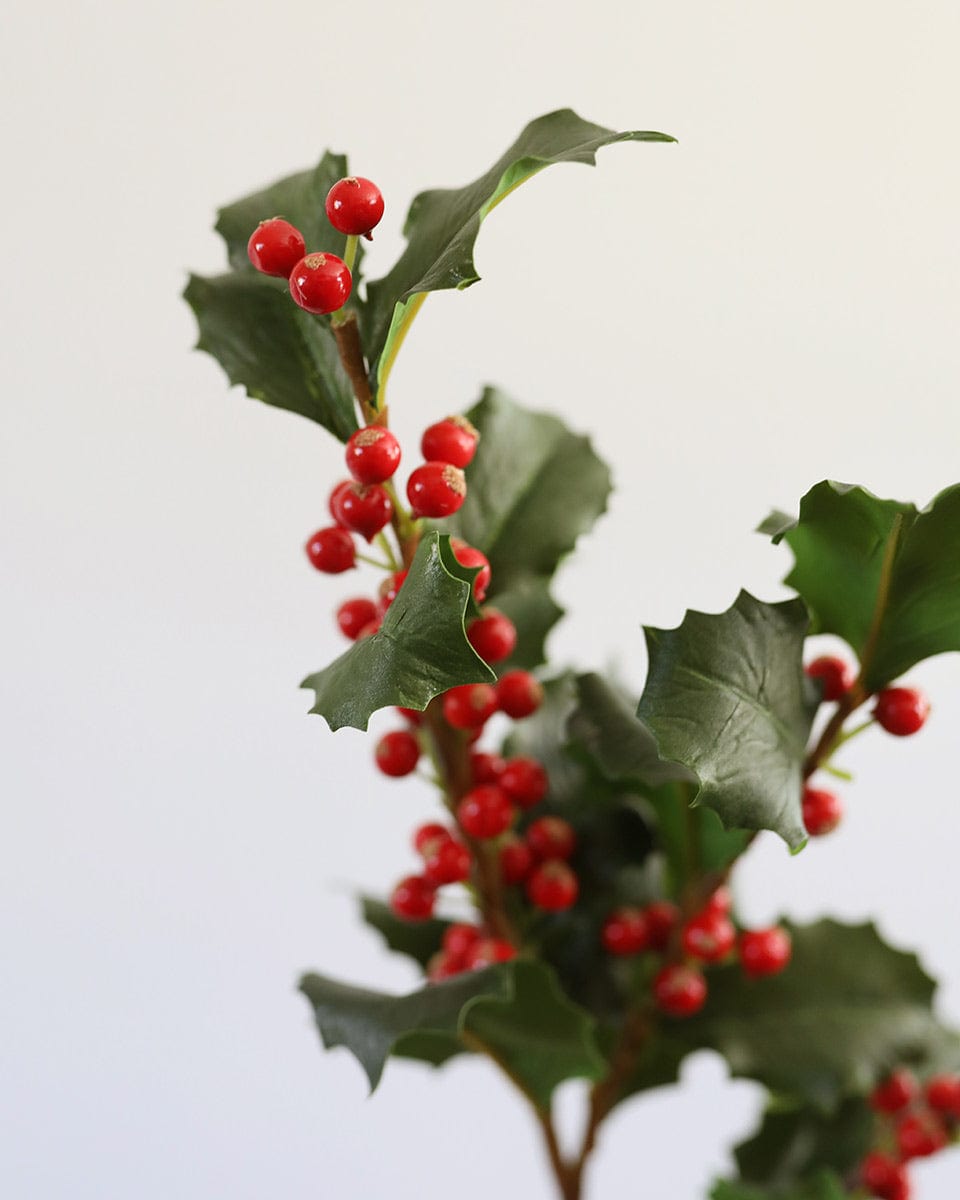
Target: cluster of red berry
x,y
899,710
914,1122
708,937
319,282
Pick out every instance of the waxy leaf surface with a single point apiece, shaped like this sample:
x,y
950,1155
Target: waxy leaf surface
x,y
824,1185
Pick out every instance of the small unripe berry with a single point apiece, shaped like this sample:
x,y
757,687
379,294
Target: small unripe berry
x,y
626,931
679,990
275,247
493,636
836,676
320,283
552,886
453,440
485,812
516,860
353,615
901,711
469,706
484,767
894,1093
372,454
519,694
822,811
489,951
920,1134
765,951
436,490
524,780
397,753
331,550
459,939
354,206
447,862
470,556
550,837
663,917
413,898
710,936
942,1093
363,508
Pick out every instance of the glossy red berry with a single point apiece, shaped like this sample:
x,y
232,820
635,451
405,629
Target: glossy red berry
x,y
372,454
720,901
426,836
470,705
354,206
459,939
836,676
822,811
552,886
765,951
397,753
626,931
519,694
453,440
353,615
413,715
320,283
363,508
901,711
894,1093
390,587
516,860
485,812
413,898
920,1134
493,636
335,499
679,990
275,247
436,490
470,556
484,767
884,1177
489,951
709,936
942,1093
550,837
369,630
331,550
524,780
447,862
663,917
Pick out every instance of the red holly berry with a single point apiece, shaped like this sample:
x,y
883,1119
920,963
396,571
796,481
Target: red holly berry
x,y
709,936
489,951
443,966
895,1092
679,990
469,556
320,283
411,714
353,615
364,508
453,440
920,1134
470,705
884,1177
390,587
459,939
373,454
553,886
836,676
485,811
337,493
425,837
413,898
519,694
720,901
484,767
765,951
354,206
943,1094
625,931
516,860
524,780
901,711
550,837
397,753
663,917
331,550
369,630
447,862
275,247
822,811
493,636
436,490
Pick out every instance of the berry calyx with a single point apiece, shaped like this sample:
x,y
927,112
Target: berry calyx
x,y
663,917
822,811
901,711
469,706
459,939
447,862
836,676
354,206
331,550
493,636
765,951
894,1093
516,860
679,990
320,283
397,753
470,556
484,767
519,694
363,508
485,812
942,1093
626,931
550,837
353,615
275,247
453,440
413,898
920,1134
710,936
524,780
552,886
436,490
884,1177
372,454
426,836
489,951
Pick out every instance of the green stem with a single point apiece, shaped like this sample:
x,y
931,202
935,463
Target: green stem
x,y
350,251
385,546
375,562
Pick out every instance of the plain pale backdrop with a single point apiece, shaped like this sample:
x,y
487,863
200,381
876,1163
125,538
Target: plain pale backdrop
x,y
773,301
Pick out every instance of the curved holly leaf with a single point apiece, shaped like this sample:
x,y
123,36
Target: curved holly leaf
x,y
420,650
824,1185
726,697
877,573
442,226
419,940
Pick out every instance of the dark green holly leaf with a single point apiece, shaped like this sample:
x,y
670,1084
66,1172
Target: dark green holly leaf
x,y
442,226
534,612
279,353
726,697
880,574
420,651
794,1142
419,940
824,1185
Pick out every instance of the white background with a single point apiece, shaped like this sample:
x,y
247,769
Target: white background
x,y
770,302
